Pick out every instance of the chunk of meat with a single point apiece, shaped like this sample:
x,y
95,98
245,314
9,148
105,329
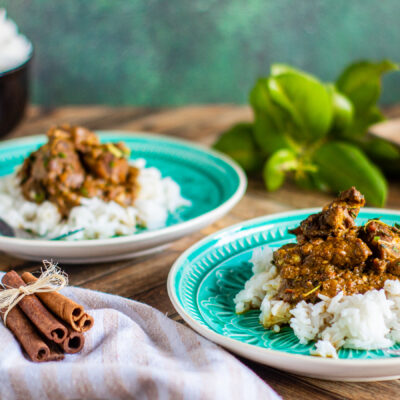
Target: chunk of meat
x,y
342,252
123,194
83,139
384,240
73,163
105,164
52,172
317,264
334,219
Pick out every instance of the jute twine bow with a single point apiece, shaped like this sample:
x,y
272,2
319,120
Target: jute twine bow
x,y
52,279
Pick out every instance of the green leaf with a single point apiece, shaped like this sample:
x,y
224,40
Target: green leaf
x,y
307,101
238,143
379,149
361,83
305,181
383,153
276,167
279,69
309,180
342,111
269,130
342,165
361,123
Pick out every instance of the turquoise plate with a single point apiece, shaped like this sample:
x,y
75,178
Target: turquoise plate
x,y
205,279
211,181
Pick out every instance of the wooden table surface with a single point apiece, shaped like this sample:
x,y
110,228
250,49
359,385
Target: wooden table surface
x,y
144,279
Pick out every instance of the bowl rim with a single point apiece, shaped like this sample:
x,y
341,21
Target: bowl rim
x,y
20,66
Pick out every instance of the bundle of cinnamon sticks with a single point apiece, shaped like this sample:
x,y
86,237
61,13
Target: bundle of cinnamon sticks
x,y
46,324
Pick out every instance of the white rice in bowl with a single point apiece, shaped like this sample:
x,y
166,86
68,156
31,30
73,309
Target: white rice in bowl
x,y
15,48
362,321
94,218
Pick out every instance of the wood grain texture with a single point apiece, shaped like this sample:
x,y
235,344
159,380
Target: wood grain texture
x,y
144,279
389,130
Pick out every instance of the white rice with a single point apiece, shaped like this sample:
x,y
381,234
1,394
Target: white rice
x,y
260,289
15,48
368,321
157,198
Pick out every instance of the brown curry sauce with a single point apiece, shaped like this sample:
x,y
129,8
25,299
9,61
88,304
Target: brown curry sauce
x,y
74,164
332,254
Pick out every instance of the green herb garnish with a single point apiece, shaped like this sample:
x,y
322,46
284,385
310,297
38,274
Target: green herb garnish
x,y
312,291
62,155
377,238
38,197
315,132
112,164
84,191
114,150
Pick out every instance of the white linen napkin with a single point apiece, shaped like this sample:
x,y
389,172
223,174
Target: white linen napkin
x,y
132,352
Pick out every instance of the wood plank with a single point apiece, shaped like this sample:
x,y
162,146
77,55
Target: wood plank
x,y
8,262
80,274
157,297
389,130
290,386
135,278
199,123
356,391
95,117
394,195
177,118
252,206
392,111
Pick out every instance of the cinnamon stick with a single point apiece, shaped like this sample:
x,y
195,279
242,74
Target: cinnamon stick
x,y
62,306
85,323
74,342
56,353
23,330
44,321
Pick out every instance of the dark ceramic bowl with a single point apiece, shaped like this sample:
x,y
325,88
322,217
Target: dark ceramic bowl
x,y
14,93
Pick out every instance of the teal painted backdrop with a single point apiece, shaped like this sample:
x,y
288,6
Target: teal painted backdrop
x,y
167,52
